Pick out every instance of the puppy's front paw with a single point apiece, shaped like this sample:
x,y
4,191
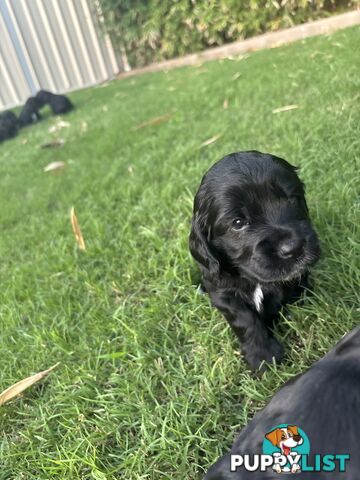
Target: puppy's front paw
x,y
275,350
295,468
256,355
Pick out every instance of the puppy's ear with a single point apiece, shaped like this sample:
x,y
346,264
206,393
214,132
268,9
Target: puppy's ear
x,y
274,436
200,248
293,429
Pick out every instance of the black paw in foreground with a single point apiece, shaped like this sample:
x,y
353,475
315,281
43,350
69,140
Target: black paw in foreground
x,y
253,240
59,104
324,403
256,355
9,125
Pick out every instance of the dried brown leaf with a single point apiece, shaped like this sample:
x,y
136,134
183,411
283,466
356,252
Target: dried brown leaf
x,y
54,166
58,126
83,127
286,108
242,57
153,121
115,289
200,72
59,142
76,229
19,387
211,140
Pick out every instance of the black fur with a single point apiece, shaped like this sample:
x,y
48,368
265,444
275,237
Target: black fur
x,y
250,229
59,104
30,112
9,125
324,402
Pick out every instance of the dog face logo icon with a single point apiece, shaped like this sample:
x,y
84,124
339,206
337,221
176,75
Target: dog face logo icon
x,y
286,442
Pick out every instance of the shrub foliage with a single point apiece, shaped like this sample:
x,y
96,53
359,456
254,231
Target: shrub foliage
x,y
153,30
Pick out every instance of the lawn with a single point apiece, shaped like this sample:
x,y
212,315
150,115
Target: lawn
x,y
151,384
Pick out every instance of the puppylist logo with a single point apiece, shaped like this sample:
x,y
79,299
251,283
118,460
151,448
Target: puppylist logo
x,y
286,449
286,444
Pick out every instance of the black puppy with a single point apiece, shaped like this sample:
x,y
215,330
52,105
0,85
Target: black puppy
x,y
9,125
324,402
59,104
30,112
252,238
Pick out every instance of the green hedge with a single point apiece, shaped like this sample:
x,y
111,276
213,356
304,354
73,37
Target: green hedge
x,y
154,30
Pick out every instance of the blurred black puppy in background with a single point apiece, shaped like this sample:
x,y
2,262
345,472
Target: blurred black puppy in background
x,y
324,402
9,125
30,112
59,104
253,241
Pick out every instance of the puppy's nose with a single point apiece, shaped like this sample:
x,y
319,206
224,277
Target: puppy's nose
x,y
297,438
291,248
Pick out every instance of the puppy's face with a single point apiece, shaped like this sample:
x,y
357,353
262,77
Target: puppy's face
x,y
252,212
285,438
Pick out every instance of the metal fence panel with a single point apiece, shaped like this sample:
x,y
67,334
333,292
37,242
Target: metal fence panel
x,y
56,45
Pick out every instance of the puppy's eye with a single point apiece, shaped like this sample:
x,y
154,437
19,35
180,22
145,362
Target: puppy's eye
x,y
239,223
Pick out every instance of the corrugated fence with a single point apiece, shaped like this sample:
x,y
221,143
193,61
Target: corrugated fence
x,y
55,45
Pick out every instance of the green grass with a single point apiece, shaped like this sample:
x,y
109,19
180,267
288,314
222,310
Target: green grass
x,y
151,385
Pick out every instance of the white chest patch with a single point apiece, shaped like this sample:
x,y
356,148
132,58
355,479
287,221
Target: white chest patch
x,y
258,297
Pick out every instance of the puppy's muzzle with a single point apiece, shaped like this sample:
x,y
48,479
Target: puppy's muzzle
x,y
285,243
291,248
